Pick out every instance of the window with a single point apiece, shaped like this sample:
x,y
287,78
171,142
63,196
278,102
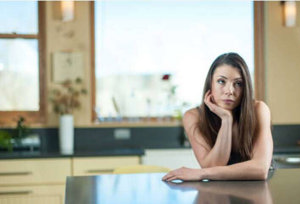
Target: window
x,y
152,57
21,61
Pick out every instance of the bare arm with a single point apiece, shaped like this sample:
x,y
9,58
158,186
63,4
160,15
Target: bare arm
x,y
258,166
206,156
254,169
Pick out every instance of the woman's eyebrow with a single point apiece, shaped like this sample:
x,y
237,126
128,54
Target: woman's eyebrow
x,y
227,78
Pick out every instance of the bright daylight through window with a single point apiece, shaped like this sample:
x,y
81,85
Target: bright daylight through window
x,y
19,56
152,56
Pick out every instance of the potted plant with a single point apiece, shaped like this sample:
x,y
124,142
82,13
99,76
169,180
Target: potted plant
x,y
12,139
64,102
5,140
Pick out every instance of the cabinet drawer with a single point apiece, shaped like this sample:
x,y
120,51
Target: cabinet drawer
x,y
52,194
101,165
34,171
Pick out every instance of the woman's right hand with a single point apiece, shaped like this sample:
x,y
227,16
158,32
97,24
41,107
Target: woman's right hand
x,y
221,112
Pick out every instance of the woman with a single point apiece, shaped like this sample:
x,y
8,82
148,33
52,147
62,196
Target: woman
x,y
230,132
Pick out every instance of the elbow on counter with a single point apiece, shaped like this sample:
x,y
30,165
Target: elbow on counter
x,y
263,172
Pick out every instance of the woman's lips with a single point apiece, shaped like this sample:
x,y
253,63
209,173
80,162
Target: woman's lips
x,y
228,101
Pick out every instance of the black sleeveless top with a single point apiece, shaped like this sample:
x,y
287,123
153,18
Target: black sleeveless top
x,y
234,158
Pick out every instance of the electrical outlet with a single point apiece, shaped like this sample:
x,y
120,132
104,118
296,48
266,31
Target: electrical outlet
x,y
122,134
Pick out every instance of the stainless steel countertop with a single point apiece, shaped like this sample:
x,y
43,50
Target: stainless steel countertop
x,y
282,186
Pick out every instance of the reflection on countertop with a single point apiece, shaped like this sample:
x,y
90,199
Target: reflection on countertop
x,y
227,192
282,186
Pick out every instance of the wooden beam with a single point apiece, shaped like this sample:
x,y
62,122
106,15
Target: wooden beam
x,y
259,71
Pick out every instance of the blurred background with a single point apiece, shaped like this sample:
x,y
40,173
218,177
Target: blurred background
x,y
141,59
87,87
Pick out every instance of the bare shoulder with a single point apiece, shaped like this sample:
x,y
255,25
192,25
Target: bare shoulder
x,y
263,114
191,120
191,117
261,108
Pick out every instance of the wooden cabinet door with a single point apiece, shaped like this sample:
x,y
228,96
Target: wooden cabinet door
x,y
101,165
30,200
34,171
50,194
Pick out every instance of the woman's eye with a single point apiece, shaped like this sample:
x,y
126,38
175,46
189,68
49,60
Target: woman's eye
x,y
221,81
239,83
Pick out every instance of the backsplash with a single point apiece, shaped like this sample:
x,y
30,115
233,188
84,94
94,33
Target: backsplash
x,y
93,139
286,135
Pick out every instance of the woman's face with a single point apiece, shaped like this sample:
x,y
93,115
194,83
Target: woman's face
x,y
227,87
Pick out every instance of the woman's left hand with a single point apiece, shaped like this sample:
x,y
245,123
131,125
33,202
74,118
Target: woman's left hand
x,y
183,173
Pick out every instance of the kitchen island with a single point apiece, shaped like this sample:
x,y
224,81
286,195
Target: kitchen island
x,y
282,186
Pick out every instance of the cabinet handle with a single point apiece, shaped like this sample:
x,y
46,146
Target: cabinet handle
x,y
99,170
15,173
15,193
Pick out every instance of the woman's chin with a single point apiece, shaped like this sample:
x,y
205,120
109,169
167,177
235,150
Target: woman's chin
x,y
227,107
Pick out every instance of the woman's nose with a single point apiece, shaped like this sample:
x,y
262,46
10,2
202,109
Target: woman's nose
x,y
230,89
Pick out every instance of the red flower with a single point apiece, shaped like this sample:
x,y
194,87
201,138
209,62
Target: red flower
x,y
166,77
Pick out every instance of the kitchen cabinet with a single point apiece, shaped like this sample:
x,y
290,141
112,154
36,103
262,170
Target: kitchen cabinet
x,y
43,180
34,171
33,180
46,194
101,165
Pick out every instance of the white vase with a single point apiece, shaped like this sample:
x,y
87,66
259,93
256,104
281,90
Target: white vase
x,y
66,134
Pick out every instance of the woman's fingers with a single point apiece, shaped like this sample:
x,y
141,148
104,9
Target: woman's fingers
x,y
167,176
207,99
172,178
185,174
210,105
206,94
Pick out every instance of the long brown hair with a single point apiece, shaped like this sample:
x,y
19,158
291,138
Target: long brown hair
x,y
244,114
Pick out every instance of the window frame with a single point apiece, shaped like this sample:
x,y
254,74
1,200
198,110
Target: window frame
x,y
9,118
259,50
259,62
